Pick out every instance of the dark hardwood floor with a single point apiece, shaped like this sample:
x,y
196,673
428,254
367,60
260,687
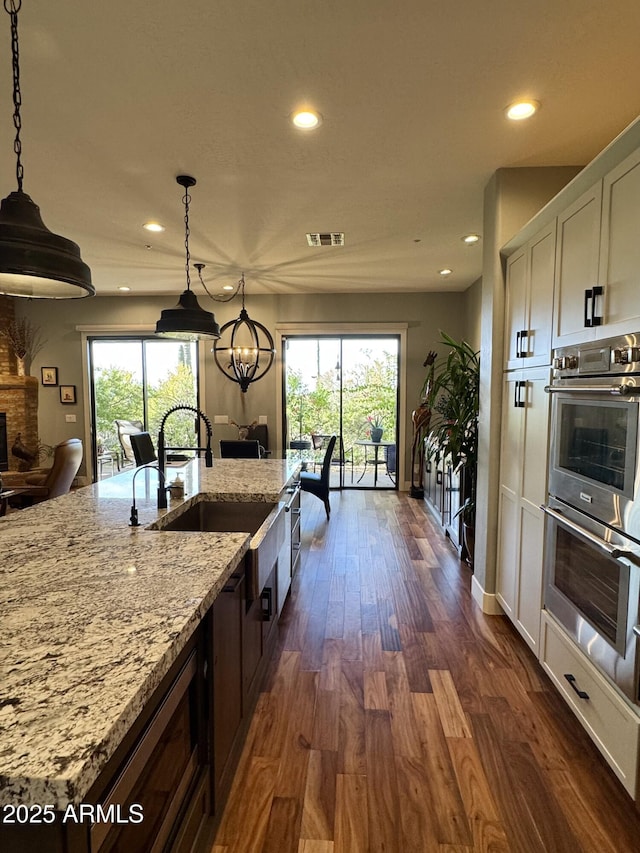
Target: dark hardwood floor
x,y
398,718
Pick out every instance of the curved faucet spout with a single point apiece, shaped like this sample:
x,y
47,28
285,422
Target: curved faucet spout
x,y
133,518
208,454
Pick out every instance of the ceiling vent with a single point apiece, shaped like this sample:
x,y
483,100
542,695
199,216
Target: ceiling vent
x,y
328,238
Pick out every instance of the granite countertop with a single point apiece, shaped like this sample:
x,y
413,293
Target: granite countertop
x,y
93,613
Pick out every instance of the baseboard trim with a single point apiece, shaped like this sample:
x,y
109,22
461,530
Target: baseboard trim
x,y
487,601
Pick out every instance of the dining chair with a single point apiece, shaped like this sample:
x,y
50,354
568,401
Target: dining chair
x,y
391,461
143,449
343,458
318,484
239,449
125,430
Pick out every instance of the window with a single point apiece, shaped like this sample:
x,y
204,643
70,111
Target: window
x,y
137,379
347,385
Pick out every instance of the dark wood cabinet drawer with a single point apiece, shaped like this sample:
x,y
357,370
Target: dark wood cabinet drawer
x,y
227,678
161,773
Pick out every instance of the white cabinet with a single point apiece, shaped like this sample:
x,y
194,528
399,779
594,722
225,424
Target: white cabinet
x,y
597,291
619,274
523,488
529,301
612,725
577,257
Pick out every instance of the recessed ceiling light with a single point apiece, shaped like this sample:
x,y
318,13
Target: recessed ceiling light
x,y
227,287
306,119
153,226
522,109
470,239
445,271
124,288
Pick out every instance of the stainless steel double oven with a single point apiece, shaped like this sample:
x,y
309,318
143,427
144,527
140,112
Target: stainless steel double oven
x,y
592,555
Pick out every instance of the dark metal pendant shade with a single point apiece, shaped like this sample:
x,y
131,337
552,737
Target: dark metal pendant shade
x,y
187,320
34,262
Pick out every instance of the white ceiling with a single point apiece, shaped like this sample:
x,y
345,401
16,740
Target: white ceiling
x,y
119,98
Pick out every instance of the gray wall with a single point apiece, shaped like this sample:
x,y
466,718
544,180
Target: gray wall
x,y
512,197
425,314
473,314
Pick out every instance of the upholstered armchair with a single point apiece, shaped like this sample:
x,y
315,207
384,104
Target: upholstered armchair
x,y
50,482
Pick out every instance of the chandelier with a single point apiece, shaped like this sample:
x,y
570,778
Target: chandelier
x,y
187,320
245,350
34,262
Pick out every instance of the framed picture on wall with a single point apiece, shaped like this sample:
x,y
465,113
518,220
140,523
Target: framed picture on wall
x,y
67,393
49,375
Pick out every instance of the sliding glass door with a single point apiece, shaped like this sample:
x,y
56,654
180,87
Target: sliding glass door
x,y
347,385
137,380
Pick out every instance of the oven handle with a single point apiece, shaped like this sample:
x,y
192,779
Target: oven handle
x,y
617,390
611,550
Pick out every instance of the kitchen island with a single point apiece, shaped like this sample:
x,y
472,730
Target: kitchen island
x,y
95,616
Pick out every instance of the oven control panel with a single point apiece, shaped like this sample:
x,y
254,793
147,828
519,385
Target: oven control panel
x,y
625,355
614,356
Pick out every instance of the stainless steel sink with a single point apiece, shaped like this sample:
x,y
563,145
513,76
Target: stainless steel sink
x,y
263,521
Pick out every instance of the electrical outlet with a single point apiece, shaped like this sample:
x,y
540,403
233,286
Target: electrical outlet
x,y
70,419
221,419
262,419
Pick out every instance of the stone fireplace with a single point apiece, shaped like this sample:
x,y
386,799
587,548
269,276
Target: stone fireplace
x,y
18,394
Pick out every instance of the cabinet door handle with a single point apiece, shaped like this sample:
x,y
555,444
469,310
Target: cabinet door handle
x,y
596,319
267,603
523,387
590,316
518,344
588,298
438,478
518,402
572,683
524,336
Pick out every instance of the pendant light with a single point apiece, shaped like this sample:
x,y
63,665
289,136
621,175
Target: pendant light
x,y
187,320
239,359
34,262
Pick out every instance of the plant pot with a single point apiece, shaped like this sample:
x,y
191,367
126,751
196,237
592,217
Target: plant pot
x,y
376,433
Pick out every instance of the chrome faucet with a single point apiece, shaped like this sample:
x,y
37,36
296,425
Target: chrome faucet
x,y
162,460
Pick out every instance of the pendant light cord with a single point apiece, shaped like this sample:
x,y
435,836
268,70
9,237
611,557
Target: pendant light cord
x,y
12,8
186,199
228,298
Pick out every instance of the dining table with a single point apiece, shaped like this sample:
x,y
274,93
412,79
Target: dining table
x,y
375,461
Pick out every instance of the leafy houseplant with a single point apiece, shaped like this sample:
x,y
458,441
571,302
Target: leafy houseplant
x,y
375,426
454,397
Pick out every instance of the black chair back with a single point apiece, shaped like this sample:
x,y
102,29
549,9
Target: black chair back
x,y
390,452
232,449
318,484
326,464
143,449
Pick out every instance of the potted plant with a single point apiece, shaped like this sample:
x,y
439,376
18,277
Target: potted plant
x,y
454,398
375,426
